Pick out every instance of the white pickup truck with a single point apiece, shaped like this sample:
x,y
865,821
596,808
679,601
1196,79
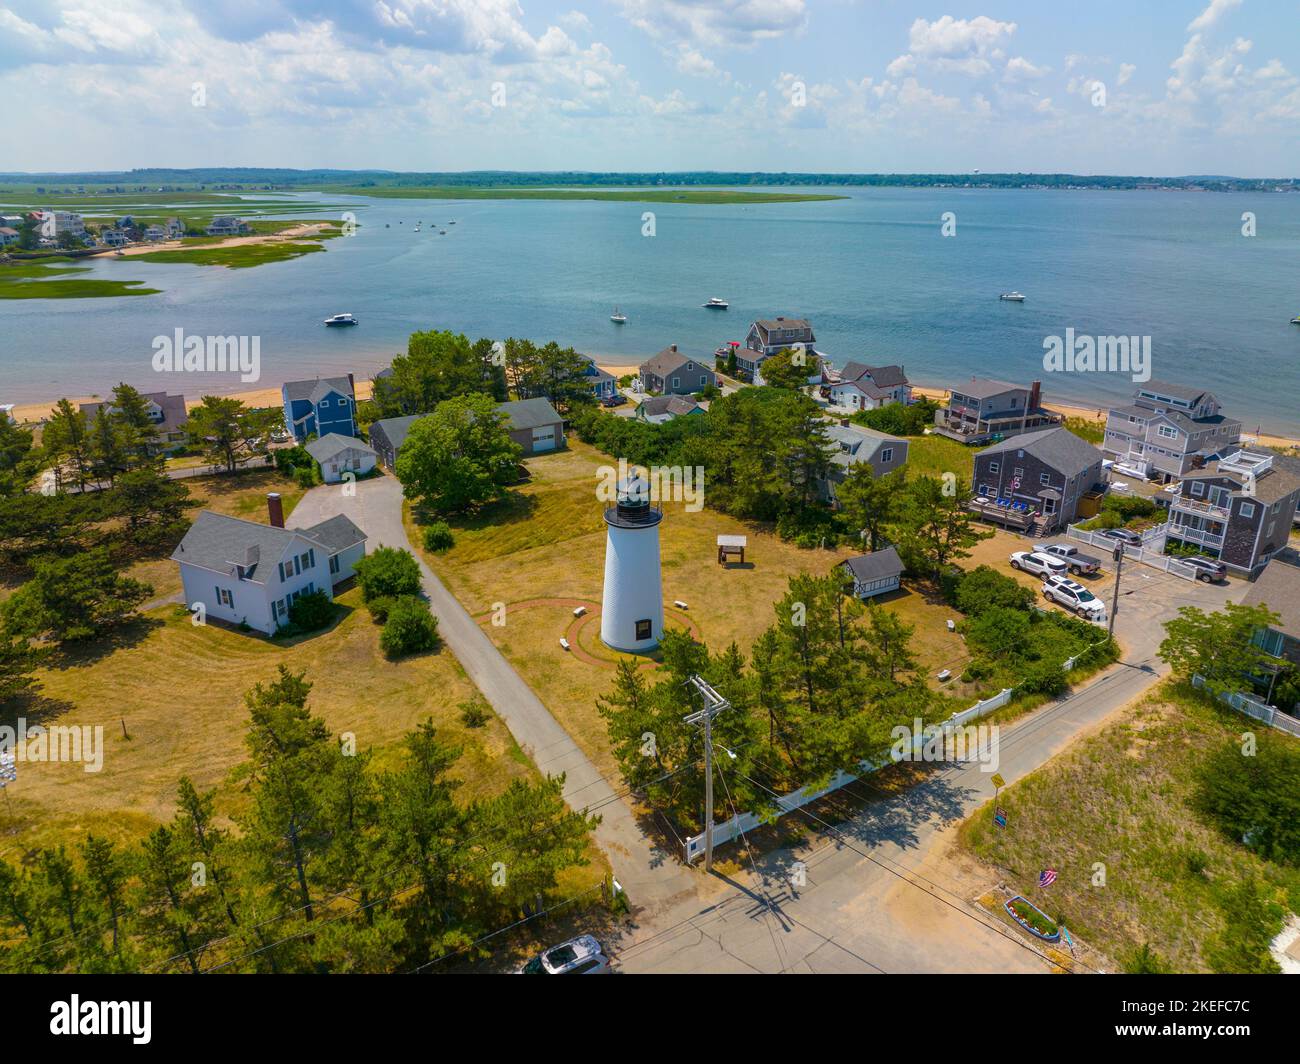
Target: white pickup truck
x,y
1077,561
1043,565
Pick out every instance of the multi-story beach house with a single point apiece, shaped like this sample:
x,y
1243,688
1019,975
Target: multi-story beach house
x,y
228,225
862,387
175,229
984,410
8,236
766,337
166,412
319,407
1238,508
672,373
155,233
1042,475
1167,431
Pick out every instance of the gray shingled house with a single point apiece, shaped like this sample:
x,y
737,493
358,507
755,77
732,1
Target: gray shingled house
x,y
1048,471
672,373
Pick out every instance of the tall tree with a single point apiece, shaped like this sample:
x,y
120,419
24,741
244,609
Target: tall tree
x,y
230,432
66,443
73,599
870,503
932,525
1219,647
460,456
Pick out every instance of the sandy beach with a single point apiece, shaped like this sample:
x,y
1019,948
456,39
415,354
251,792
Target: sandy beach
x,y
305,229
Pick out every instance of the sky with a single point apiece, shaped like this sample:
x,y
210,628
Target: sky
x,y
1174,87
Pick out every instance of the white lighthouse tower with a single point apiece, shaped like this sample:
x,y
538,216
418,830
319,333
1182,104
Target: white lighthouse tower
x,y
632,613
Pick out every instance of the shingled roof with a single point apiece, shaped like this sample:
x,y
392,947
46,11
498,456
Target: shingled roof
x,y
224,544
1058,447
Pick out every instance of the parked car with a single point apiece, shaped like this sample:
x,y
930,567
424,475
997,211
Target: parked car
x,y
1075,597
617,399
1122,535
579,956
1211,570
1029,561
1078,562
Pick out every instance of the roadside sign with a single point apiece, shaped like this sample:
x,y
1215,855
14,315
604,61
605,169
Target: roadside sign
x,y
997,780
1000,818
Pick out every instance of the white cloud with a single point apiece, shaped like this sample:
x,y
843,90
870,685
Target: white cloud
x,y
731,23
1126,71
1020,68
1212,14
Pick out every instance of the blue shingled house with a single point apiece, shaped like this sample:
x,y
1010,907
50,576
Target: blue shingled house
x,y
319,407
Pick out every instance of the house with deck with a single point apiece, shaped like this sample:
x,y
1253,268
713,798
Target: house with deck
x,y
1167,431
983,410
1278,588
1238,509
1034,481
228,225
861,387
319,407
166,413
672,373
246,573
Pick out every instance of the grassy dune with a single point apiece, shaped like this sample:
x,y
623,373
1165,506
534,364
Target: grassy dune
x,y
49,279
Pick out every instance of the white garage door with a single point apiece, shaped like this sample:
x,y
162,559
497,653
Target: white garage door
x,y
544,438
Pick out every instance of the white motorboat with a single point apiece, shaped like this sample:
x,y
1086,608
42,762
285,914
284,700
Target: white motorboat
x,y
342,319
618,317
1012,297
716,304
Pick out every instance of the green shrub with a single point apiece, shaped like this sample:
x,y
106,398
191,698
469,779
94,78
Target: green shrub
x,y
438,537
474,714
410,628
305,477
388,572
1044,678
379,608
312,611
984,587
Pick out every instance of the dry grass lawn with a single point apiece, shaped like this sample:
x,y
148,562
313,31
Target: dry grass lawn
x,y
180,690
548,542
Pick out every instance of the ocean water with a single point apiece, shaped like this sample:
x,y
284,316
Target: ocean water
x,y
873,272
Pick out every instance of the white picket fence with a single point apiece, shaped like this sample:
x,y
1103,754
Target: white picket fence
x,y
742,822
1257,708
1152,551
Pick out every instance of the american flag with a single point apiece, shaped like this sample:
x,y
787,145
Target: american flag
x,y
1047,877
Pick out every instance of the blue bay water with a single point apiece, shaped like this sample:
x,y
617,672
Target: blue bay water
x,y
872,271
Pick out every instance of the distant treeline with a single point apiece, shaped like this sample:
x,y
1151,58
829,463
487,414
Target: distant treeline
x,y
294,179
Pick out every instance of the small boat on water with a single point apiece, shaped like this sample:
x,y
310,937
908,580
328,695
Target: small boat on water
x,y
452,222
618,317
417,227
1012,297
715,304
1296,320
442,232
342,319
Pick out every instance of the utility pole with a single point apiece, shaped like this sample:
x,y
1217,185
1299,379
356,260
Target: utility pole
x,y
1114,604
714,704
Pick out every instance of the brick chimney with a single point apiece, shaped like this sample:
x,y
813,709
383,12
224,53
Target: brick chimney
x,y
672,347
275,509
1035,394
352,385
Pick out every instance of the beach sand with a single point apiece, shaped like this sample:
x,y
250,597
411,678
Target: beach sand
x,y
306,229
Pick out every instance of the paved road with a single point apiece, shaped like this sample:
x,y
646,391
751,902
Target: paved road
x,y
878,897
651,877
